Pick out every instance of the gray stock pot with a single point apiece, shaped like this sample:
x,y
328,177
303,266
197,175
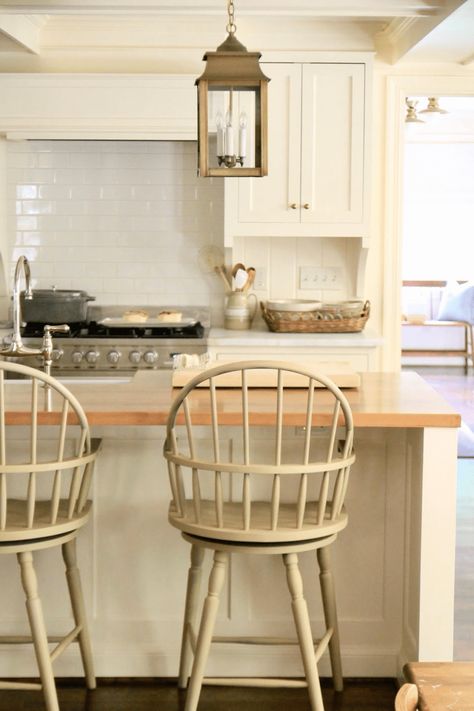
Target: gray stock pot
x,y
55,306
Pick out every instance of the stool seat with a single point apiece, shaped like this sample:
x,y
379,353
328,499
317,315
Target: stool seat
x,y
15,530
260,530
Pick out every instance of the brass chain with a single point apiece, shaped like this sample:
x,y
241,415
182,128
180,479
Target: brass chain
x,y
231,26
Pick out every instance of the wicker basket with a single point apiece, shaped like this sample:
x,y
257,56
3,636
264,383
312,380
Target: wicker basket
x,y
329,319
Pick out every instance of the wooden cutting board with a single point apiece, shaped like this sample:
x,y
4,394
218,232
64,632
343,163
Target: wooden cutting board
x,y
340,373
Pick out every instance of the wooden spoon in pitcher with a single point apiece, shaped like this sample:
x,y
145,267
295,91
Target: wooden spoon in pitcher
x,y
251,278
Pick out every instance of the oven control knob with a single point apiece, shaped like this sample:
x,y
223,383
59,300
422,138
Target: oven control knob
x,y
135,357
150,357
57,354
92,357
77,357
113,357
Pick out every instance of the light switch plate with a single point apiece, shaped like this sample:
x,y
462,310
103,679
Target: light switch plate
x,y
320,278
260,282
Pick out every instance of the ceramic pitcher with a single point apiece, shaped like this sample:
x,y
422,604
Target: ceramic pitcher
x,y
240,310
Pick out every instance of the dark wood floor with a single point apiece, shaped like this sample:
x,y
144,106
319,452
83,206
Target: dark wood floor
x,y
358,695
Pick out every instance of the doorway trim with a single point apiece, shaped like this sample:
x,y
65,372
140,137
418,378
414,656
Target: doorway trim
x,y
397,88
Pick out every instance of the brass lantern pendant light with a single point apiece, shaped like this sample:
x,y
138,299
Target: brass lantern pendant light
x,y
232,110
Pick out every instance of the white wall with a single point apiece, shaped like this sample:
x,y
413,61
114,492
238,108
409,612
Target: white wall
x,y
122,219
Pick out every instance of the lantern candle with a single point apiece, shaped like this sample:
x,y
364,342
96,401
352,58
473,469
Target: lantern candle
x,y
229,136
243,135
220,134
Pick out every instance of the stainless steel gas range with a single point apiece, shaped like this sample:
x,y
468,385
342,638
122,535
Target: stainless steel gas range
x,y
108,344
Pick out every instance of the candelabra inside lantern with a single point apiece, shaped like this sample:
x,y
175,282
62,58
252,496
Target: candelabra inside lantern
x,y
228,137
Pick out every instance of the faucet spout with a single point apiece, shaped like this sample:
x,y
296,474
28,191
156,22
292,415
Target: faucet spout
x,y
16,347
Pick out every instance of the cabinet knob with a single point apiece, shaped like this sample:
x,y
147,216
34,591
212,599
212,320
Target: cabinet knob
x,y
306,206
293,205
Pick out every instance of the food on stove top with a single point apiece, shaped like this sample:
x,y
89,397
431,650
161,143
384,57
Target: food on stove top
x,y
135,316
170,316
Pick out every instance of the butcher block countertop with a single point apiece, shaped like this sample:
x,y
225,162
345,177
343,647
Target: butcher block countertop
x,y
382,400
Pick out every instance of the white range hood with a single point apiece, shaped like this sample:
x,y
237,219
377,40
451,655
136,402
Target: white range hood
x,y
98,106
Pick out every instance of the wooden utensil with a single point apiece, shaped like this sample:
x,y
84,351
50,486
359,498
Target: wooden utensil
x,y
240,279
221,271
251,278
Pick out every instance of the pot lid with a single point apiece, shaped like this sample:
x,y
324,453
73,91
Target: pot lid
x,y
61,294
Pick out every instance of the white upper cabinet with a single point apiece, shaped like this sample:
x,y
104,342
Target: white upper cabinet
x,y
317,156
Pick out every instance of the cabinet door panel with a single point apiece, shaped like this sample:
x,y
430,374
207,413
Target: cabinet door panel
x,y
332,143
268,199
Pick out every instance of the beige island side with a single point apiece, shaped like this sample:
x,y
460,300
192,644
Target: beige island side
x,y
394,563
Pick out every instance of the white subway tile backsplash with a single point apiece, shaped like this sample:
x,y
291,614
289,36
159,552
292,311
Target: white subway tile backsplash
x,y
51,223
67,176
26,223
52,192
53,160
122,219
82,192
26,192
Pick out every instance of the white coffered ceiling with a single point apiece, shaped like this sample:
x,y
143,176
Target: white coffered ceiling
x,y
419,30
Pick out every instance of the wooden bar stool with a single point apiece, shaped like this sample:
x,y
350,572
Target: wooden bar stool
x,y
44,486
287,506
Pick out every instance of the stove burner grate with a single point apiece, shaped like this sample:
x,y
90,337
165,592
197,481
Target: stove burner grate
x,y
36,330
98,330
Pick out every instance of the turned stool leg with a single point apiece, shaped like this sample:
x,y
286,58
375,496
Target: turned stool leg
x,y
208,619
330,615
303,630
38,630
190,613
79,610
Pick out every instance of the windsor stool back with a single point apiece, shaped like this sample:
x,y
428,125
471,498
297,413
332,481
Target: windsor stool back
x,y
286,502
45,477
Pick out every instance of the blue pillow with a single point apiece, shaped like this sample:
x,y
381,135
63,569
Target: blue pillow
x,y
457,302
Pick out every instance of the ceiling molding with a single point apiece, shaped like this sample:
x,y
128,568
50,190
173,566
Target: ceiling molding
x,y
24,30
401,35
52,27
307,8
119,33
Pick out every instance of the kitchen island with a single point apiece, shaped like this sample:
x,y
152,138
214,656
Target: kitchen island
x,y
394,564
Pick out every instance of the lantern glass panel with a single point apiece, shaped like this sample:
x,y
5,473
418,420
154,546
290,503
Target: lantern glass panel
x,y
233,124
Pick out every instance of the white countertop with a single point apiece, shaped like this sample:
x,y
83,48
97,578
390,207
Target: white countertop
x,y
261,336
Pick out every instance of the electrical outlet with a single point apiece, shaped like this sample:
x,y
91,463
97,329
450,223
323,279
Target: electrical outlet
x,y
260,282
320,277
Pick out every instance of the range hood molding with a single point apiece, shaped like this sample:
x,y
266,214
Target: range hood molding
x,y
98,107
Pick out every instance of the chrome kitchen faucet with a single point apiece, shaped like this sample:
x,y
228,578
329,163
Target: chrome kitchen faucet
x,y
16,347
